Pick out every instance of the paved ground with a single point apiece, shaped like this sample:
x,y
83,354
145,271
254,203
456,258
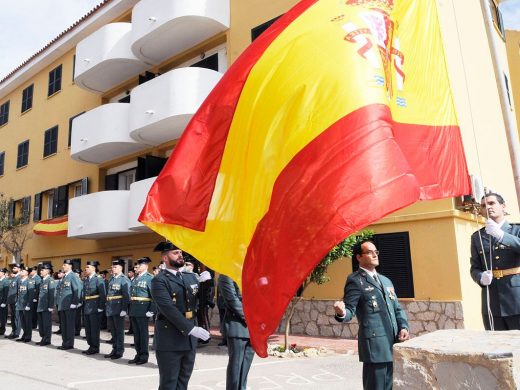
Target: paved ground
x,y
29,366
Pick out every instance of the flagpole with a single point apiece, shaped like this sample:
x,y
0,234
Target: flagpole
x,y
509,123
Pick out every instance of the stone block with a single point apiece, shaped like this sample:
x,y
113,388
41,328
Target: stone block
x,y
450,310
413,307
459,315
312,329
458,359
337,329
323,319
314,315
330,310
297,329
436,307
346,333
416,327
326,331
425,316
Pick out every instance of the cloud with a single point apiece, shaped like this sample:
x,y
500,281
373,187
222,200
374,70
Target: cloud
x,y
511,14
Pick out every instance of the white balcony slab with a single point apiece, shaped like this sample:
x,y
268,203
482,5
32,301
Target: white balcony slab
x,y
164,28
138,193
99,215
104,59
102,134
161,108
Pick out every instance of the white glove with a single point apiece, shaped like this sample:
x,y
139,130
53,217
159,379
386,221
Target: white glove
x,y
79,305
27,308
35,300
72,306
199,333
50,309
494,230
149,314
100,310
2,305
122,314
486,278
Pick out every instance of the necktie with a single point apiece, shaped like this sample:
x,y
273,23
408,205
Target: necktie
x,y
378,280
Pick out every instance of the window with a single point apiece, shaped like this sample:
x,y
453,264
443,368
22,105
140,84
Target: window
x,y
210,62
73,67
496,15
19,211
23,154
125,179
78,188
50,204
27,97
70,127
506,80
149,166
37,215
395,261
256,31
4,113
54,81
50,143
2,162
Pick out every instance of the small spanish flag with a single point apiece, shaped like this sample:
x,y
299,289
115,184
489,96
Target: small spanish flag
x,y
52,227
337,115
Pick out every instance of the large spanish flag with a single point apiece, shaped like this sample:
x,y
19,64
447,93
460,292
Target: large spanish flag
x,y
338,114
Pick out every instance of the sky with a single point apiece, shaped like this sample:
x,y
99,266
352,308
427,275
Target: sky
x,y
26,26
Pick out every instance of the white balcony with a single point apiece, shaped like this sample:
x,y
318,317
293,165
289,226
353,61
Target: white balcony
x,y
164,28
104,59
161,108
138,192
102,134
99,215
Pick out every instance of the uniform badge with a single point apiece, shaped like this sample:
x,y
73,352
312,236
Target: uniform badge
x,y
391,293
369,288
174,298
194,288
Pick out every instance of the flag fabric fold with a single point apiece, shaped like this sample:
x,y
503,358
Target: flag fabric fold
x,y
337,115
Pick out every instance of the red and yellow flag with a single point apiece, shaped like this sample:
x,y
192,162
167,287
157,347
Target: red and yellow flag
x,y
337,115
52,227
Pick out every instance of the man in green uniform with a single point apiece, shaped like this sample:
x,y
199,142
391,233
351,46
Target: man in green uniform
x,y
11,301
239,345
118,299
68,296
175,295
382,322
4,291
45,304
26,293
142,308
36,281
95,300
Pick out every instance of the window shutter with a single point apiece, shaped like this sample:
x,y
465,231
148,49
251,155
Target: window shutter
x,y
37,207
61,198
140,172
148,167
26,209
10,216
84,186
111,182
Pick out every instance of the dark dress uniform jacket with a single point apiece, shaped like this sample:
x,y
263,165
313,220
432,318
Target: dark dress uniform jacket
x,y
118,287
379,315
234,319
92,287
36,281
176,300
46,295
68,291
504,293
4,290
141,296
13,290
26,293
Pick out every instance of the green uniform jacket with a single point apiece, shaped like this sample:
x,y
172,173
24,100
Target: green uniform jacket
x,y
36,280
26,293
504,293
46,294
4,290
68,291
141,296
92,287
13,290
118,295
234,319
379,315
176,300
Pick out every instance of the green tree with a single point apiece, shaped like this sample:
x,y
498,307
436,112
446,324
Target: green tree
x,y
13,234
319,274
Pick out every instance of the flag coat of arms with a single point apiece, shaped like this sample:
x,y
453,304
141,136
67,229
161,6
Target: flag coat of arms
x,y
337,115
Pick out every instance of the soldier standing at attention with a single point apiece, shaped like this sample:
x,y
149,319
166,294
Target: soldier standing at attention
x,y
95,299
118,299
45,304
4,291
382,322
11,301
142,308
24,299
68,296
175,295
33,275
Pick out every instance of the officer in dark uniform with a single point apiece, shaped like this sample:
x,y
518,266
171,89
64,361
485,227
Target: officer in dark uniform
x,y
11,301
239,345
142,308
4,291
33,275
78,320
382,322
495,265
68,294
26,293
118,299
104,276
94,305
175,295
45,304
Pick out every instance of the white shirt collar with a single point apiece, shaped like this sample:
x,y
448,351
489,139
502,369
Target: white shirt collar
x,y
172,271
371,273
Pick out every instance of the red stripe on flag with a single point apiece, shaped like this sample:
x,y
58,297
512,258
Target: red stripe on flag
x,y
351,175
196,160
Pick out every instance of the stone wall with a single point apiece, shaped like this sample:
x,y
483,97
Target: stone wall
x,y
316,318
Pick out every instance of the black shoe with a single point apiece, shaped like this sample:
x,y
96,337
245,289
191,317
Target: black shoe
x,y
109,341
109,355
43,344
204,341
114,357
139,362
20,339
129,333
61,347
27,340
57,332
132,345
85,351
11,336
134,360
222,344
91,352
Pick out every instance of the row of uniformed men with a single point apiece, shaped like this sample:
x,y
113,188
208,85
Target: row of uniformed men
x,y
28,296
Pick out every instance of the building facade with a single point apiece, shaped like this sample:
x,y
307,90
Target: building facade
x,y
88,122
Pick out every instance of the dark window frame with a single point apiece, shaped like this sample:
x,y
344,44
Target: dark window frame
x,y
54,80
70,127
496,15
22,159
4,113
27,98
2,163
50,141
